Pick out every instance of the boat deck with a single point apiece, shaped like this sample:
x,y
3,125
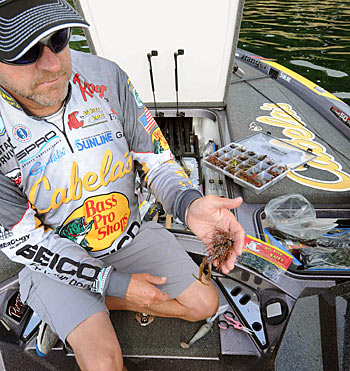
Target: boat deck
x,y
157,347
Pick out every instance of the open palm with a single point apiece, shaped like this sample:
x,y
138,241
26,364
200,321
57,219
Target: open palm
x,y
210,212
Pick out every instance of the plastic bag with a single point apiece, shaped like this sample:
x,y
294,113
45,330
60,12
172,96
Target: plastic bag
x,y
267,259
340,239
326,257
262,266
332,252
293,214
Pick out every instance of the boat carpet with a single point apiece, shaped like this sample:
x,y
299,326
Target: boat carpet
x,y
318,183
162,337
8,268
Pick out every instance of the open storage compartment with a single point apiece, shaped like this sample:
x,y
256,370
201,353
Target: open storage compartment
x,y
322,257
190,135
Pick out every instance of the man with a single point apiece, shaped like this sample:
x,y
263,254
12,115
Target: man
x,y
72,133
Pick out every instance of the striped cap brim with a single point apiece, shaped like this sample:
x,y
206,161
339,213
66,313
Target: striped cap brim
x,y
24,22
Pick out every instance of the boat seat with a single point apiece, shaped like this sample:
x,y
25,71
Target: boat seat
x,y
8,268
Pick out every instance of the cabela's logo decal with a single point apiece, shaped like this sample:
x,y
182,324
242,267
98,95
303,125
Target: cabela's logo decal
x,y
109,172
98,222
283,116
22,133
88,90
160,143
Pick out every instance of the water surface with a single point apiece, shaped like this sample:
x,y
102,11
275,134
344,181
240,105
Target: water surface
x,y
311,37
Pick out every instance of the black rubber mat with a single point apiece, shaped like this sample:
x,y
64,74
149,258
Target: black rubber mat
x,y
163,336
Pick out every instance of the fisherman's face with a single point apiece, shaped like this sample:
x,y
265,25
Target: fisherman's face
x,y
40,87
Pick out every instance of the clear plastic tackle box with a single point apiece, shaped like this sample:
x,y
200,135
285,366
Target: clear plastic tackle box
x,y
258,161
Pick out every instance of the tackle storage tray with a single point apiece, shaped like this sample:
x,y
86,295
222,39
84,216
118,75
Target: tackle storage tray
x,y
258,161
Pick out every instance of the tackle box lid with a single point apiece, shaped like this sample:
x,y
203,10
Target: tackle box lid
x,y
207,31
277,149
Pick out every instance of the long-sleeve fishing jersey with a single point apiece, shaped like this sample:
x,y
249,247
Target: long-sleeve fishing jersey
x,y
71,196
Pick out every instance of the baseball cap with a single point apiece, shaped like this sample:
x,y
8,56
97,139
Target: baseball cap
x,y
24,22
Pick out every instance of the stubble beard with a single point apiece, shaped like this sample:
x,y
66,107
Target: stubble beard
x,y
46,98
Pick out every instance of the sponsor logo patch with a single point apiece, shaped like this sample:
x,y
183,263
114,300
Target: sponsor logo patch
x,y
39,167
98,222
15,309
135,94
147,121
341,115
73,122
22,133
2,127
7,151
94,141
15,175
160,143
38,147
90,117
4,233
89,89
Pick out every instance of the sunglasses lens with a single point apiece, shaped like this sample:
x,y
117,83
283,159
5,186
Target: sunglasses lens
x,y
30,57
60,39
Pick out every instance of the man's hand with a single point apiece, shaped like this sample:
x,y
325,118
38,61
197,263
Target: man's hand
x,y
141,290
210,212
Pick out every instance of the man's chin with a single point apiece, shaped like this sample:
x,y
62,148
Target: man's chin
x,y
49,99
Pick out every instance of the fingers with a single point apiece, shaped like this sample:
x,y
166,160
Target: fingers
x,y
156,280
141,290
225,203
230,263
239,241
157,296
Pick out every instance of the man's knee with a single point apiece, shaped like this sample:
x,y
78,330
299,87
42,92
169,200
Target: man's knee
x,y
105,361
205,303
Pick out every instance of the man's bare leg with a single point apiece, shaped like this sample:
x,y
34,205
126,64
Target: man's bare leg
x,y
197,302
95,344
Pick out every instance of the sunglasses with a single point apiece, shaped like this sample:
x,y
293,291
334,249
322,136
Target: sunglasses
x,y
56,41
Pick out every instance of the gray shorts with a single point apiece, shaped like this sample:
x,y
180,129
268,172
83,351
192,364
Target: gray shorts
x,y
154,250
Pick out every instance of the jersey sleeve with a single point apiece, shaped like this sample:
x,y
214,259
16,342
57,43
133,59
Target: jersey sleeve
x,y
153,158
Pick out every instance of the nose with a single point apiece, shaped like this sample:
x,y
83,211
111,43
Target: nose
x,y
49,61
